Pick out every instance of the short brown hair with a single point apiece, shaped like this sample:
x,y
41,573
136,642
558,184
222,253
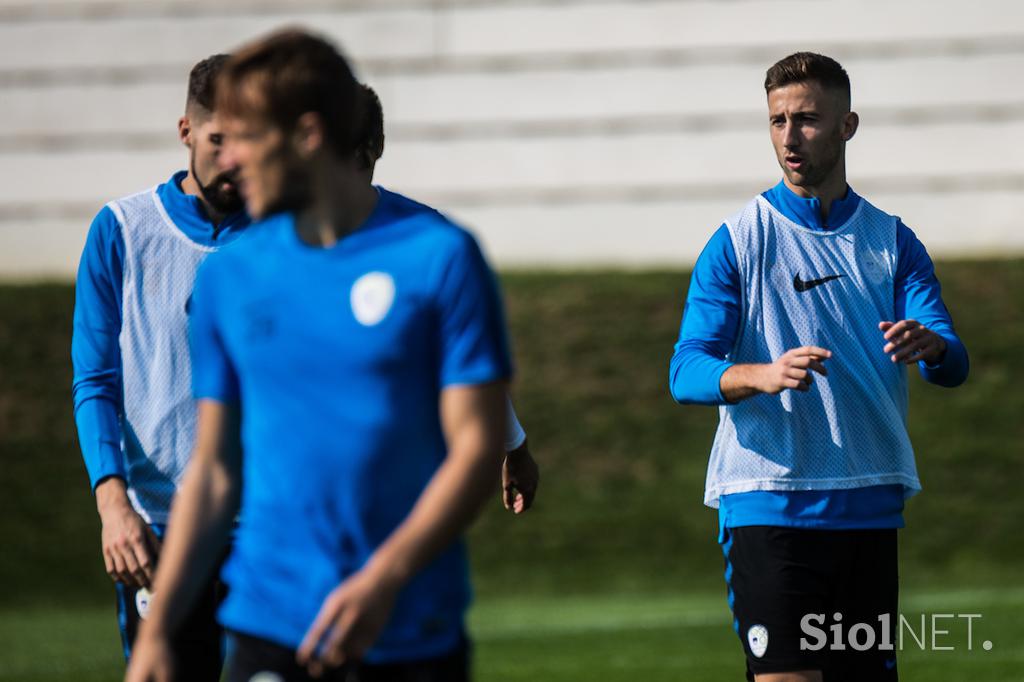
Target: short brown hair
x,y
201,81
800,67
287,74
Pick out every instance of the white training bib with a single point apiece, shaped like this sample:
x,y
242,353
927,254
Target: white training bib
x,y
160,264
823,288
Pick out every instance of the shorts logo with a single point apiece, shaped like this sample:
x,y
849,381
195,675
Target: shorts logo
x,y
266,676
143,599
757,638
372,296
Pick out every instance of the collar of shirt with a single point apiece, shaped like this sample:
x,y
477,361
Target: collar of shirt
x,y
807,212
188,214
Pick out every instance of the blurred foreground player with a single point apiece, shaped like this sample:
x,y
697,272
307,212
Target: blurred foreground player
x,y
354,347
803,312
132,384
520,475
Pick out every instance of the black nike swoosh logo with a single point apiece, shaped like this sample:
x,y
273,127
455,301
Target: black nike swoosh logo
x,y
807,285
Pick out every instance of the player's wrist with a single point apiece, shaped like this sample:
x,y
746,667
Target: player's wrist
x,y
520,453
760,378
939,354
111,495
389,569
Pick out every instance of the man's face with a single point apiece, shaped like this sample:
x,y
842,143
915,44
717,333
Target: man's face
x,y
809,129
270,175
219,187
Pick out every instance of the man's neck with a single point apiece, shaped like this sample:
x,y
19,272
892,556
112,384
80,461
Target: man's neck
x,y
190,186
339,207
827,192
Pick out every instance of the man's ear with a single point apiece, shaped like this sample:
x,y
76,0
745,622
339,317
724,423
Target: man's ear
x,y
185,131
850,123
363,158
309,134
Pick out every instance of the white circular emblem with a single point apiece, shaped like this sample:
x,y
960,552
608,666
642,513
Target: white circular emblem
x,y
143,598
372,296
757,638
266,677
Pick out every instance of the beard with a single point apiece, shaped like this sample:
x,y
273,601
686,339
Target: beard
x,y
223,201
817,171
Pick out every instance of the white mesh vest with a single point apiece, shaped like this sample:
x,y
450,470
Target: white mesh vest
x,y
160,264
849,430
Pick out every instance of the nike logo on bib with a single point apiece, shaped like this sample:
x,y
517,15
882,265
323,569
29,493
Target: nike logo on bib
x,y
807,285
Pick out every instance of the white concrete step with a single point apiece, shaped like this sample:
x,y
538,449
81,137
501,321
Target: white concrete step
x,y
151,41
792,24
567,163
723,95
512,30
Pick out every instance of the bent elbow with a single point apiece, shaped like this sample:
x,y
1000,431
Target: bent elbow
x,y
677,386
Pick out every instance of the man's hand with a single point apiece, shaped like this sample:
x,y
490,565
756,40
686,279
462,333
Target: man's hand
x,y
519,479
151,659
909,342
349,622
130,546
794,370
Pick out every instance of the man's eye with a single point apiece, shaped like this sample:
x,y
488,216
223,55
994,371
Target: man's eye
x,y
217,139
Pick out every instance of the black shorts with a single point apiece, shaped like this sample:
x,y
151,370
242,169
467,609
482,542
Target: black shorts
x,y
251,656
786,587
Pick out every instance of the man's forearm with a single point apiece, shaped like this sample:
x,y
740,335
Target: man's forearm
x,y
741,381
110,492
474,421
446,507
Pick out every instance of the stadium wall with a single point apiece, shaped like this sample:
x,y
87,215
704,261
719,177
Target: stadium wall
x,y
567,133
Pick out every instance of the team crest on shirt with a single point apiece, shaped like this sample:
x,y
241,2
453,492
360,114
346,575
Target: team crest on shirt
x,y
372,297
757,638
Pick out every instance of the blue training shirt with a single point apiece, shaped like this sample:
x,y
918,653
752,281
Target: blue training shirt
x,y
709,329
337,357
95,347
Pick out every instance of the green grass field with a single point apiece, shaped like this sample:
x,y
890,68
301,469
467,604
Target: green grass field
x,y
615,575
614,638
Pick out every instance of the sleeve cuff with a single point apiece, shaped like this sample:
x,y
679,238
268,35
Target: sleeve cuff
x,y
952,370
110,464
475,377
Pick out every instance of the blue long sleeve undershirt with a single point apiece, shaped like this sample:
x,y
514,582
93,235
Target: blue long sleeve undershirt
x,y
95,351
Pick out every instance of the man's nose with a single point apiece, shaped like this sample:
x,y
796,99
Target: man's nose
x,y
790,135
227,159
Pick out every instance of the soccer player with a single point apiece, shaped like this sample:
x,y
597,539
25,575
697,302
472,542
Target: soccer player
x,y
353,346
520,475
803,312
132,394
